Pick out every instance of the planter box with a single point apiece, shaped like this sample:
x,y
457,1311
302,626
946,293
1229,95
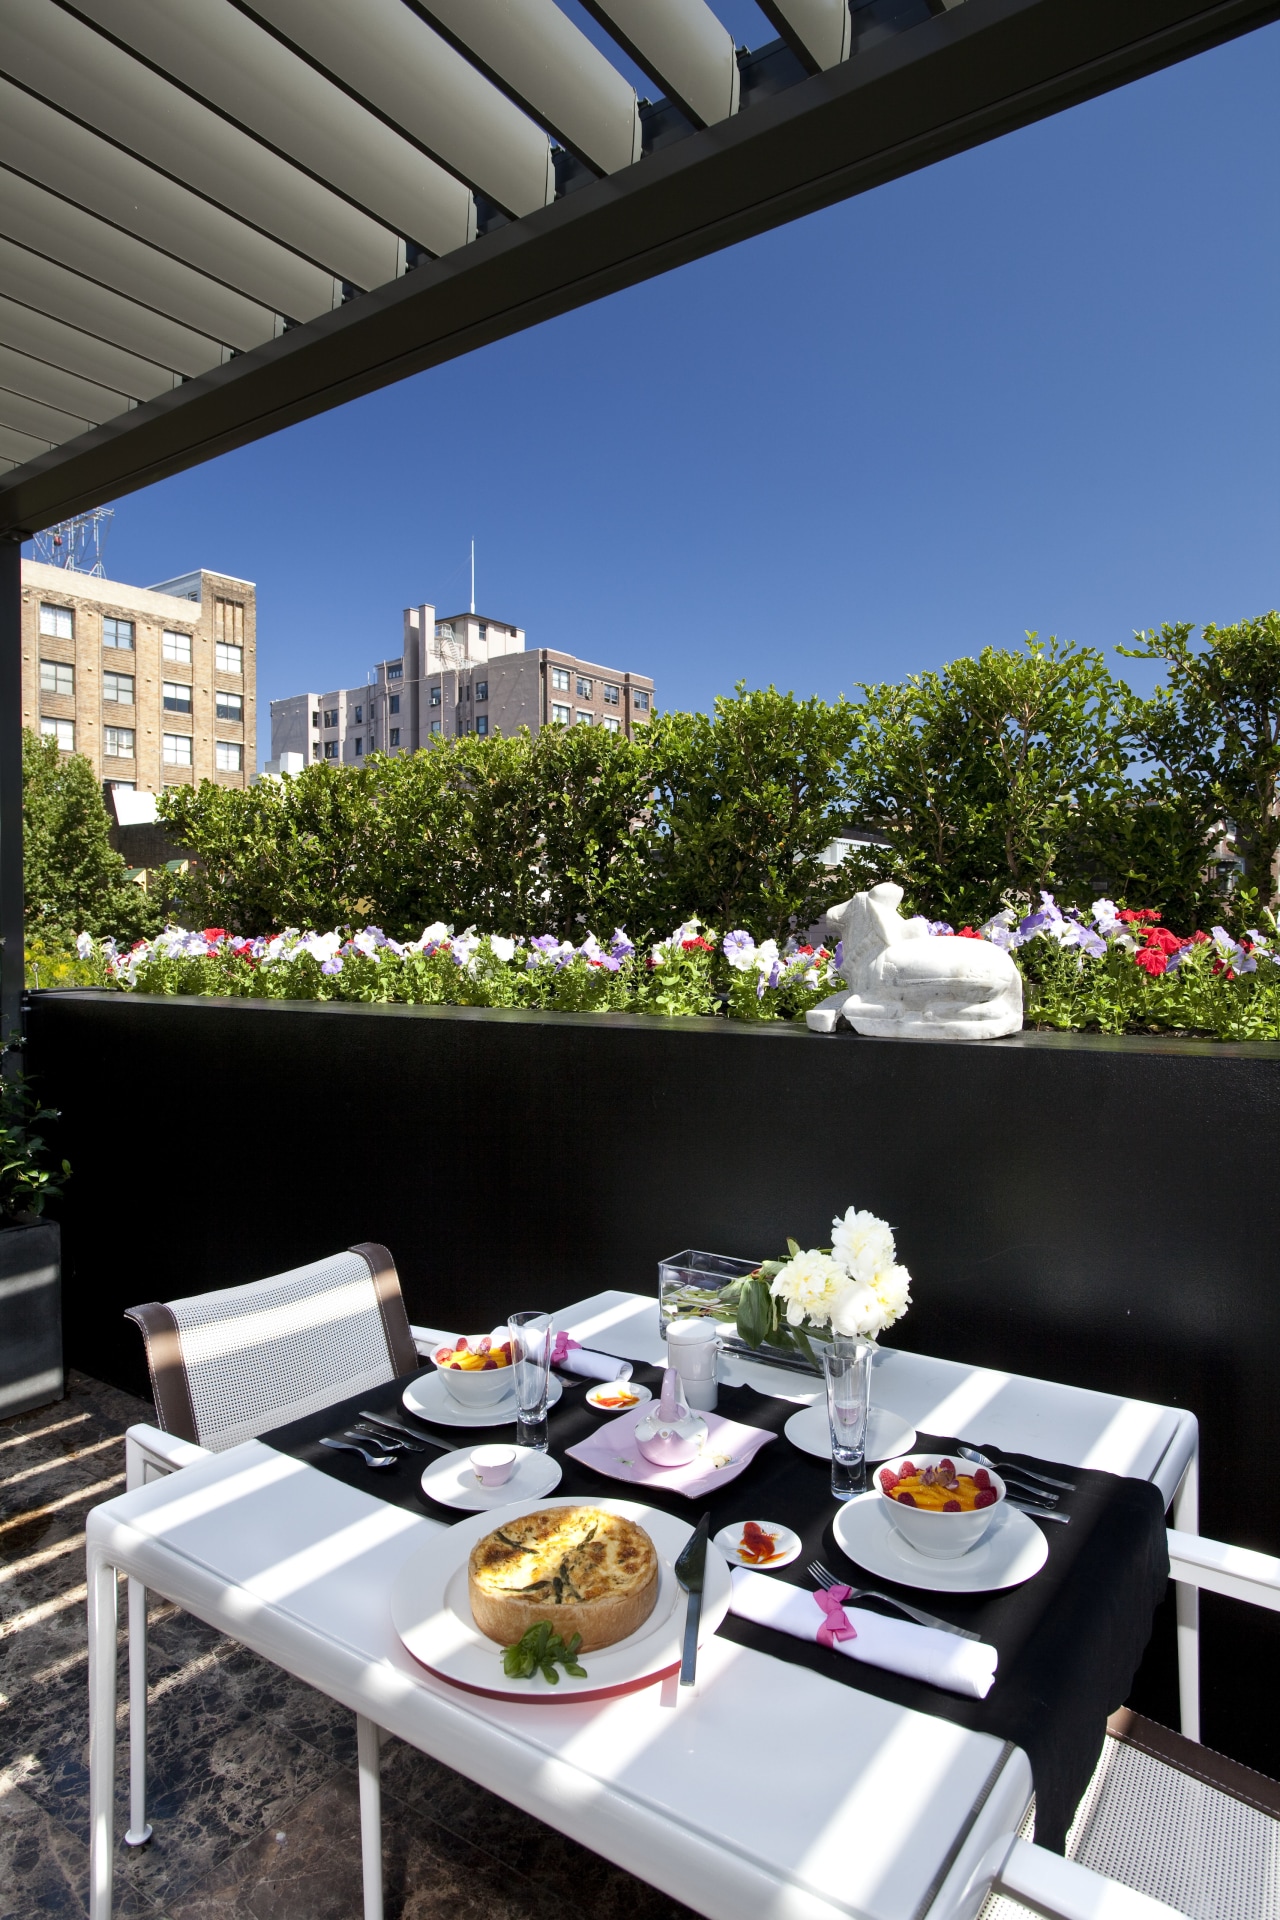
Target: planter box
x,y
30,1317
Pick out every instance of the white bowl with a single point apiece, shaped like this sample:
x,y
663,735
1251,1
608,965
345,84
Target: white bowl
x,y
938,1535
477,1387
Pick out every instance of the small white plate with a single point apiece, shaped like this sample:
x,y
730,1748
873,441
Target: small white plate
x,y
785,1541
604,1389
453,1481
432,1614
888,1434
1013,1550
430,1399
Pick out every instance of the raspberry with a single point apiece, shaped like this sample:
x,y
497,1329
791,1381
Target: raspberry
x,y
982,1478
907,1467
490,1366
951,1506
986,1497
888,1479
907,1499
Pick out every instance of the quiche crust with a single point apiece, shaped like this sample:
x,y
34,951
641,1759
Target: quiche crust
x,y
584,1570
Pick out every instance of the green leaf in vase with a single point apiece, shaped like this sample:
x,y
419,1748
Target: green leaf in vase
x,y
755,1312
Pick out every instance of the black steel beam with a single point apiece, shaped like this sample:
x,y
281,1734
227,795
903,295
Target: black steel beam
x,y
961,78
11,903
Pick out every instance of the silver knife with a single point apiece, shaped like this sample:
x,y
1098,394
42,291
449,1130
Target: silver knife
x,y
1038,1513
690,1568
414,1433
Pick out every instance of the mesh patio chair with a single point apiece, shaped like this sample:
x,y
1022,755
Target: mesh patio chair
x,y
228,1365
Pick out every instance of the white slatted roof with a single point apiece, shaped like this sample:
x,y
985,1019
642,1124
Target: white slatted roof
x,y
218,216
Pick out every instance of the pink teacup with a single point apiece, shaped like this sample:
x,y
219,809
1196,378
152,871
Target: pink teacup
x,y
494,1466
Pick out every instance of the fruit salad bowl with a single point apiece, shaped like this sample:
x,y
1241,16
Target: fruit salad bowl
x,y
940,1506
476,1369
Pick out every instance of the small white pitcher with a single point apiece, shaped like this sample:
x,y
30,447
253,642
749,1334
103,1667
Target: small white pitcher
x,y
694,1347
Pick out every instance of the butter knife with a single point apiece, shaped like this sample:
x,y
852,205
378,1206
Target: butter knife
x,y
425,1439
690,1568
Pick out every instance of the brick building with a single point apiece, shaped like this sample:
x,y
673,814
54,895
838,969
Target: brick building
x,y
155,686
464,674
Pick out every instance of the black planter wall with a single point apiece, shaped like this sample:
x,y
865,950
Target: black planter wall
x,y
1104,1212
30,1317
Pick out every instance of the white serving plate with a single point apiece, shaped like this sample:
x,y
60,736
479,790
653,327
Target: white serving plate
x,y
430,1399
1013,1550
888,1434
453,1481
431,1613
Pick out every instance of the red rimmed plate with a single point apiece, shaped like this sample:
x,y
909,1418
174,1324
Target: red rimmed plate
x,y
432,1614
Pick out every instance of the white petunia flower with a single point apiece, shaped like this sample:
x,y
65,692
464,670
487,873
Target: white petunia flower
x,y
502,948
84,945
809,1284
862,1243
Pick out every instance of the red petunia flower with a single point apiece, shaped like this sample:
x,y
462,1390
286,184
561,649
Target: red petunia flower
x,y
1163,941
1152,961
215,933
968,933
689,946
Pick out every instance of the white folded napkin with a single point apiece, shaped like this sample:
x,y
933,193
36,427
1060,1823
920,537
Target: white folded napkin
x,y
921,1653
569,1357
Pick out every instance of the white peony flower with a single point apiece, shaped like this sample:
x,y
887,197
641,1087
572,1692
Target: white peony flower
x,y
892,1287
809,1284
862,1244
858,1310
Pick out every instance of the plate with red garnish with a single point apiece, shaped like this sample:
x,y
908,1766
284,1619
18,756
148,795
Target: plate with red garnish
x,y
762,1544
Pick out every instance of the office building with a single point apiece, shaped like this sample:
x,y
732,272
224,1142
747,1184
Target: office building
x,y
463,674
155,686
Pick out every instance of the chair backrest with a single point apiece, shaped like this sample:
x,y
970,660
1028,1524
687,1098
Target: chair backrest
x,y
228,1365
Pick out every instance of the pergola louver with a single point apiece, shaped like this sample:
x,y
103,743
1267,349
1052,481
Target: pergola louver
x,y
219,217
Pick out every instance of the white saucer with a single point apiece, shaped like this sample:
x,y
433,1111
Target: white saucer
x,y
888,1434
603,1388
430,1399
1011,1551
453,1482
788,1546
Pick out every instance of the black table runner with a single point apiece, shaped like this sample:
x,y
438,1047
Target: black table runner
x,y
1070,1640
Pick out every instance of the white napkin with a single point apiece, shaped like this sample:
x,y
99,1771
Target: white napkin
x,y
921,1653
594,1366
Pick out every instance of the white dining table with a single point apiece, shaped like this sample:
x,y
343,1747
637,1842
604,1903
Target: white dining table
x,y
765,1792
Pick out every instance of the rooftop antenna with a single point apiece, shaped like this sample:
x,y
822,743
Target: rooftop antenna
x,y
473,576
77,544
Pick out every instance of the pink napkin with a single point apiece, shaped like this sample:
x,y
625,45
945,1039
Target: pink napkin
x,y
729,1449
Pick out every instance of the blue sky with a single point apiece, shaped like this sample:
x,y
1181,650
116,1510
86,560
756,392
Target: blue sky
x,y
1033,387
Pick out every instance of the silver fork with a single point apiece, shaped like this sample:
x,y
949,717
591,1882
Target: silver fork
x,y
370,1459
825,1578
981,1459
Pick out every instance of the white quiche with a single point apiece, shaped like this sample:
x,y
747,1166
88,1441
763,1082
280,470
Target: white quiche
x,y
584,1570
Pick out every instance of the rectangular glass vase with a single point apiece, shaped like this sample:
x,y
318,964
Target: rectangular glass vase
x,y
692,1286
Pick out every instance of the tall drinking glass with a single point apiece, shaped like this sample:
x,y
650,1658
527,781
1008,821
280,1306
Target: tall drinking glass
x,y
847,1367
530,1336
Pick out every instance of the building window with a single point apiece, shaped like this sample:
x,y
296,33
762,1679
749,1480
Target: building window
x,y
435,696
56,676
176,646
116,786
228,706
330,749
585,687
228,627
482,633
228,659
118,687
561,714
393,704
359,747
435,726
482,723
118,633
228,756
585,718
640,700
63,731
177,696
315,719
610,694
60,622
482,689
560,679
117,743
611,723
395,670
395,736
331,716
359,715
176,749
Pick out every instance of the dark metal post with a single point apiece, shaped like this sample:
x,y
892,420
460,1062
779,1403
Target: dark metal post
x,y
11,896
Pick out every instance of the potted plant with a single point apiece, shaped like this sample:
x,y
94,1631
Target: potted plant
x,y
30,1254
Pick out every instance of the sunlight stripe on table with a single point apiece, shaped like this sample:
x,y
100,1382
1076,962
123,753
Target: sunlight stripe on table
x,y
29,1514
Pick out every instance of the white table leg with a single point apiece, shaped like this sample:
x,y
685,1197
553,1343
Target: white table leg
x,y
1186,1518
368,1747
138,1831
102,1733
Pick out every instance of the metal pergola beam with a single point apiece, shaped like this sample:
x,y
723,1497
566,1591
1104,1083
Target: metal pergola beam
x,y
951,83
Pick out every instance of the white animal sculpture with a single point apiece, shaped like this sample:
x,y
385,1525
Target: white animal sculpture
x,y
905,982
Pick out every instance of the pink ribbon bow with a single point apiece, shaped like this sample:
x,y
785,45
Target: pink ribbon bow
x,y
560,1347
837,1625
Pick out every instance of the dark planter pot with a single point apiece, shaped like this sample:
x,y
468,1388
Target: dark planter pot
x,y
30,1316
